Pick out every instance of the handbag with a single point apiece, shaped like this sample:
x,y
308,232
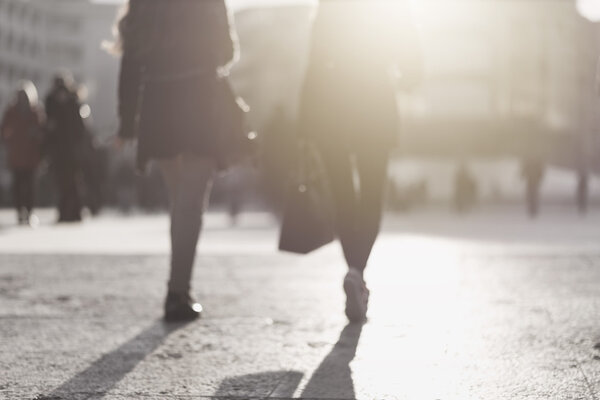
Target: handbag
x,y
307,223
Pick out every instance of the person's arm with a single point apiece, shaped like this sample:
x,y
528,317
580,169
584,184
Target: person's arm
x,y
129,92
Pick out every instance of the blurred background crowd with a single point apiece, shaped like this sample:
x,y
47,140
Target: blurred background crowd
x,y
509,112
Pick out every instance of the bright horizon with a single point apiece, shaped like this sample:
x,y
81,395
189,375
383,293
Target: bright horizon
x,y
589,9
236,4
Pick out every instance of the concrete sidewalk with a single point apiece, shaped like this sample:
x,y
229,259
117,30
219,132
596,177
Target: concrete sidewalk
x,y
474,318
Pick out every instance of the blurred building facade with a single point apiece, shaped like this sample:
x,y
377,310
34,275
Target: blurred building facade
x,y
502,73
505,80
493,69
274,45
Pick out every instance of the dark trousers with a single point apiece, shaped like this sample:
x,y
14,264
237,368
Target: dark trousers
x,y
23,190
357,178
69,197
188,179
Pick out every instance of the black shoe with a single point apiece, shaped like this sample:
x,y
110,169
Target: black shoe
x,y
181,307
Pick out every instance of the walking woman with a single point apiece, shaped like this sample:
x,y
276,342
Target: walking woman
x,y
361,52
173,53
21,130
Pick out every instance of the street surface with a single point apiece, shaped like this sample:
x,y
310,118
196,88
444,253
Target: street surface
x,y
486,306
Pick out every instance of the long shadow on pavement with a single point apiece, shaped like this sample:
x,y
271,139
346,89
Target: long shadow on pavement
x,y
279,384
103,374
332,379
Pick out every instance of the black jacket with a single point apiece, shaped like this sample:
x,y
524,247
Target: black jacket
x,y
168,79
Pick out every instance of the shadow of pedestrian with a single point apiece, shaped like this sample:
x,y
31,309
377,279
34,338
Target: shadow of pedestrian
x,y
104,374
276,384
333,377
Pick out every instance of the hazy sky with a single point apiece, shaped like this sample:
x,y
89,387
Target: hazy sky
x,y
238,3
588,8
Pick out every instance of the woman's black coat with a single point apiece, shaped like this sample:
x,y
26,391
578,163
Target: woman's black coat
x,y
349,93
168,83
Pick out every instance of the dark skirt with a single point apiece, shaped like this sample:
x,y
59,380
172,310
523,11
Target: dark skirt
x,y
179,116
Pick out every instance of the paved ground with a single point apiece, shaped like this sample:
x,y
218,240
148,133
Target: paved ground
x,y
491,306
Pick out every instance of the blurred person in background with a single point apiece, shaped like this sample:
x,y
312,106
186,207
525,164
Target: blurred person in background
x,y
361,52
465,188
172,51
93,172
532,170
235,185
21,130
583,189
93,165
64,145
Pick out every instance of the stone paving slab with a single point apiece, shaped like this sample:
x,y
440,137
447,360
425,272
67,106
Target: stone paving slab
x,y
447,321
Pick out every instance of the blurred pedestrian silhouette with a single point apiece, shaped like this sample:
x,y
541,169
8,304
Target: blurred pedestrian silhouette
x,y
235,189
361,52
93,158
583,188
465,188
533,173
174,55
21,130
405,197
94,173
64,144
